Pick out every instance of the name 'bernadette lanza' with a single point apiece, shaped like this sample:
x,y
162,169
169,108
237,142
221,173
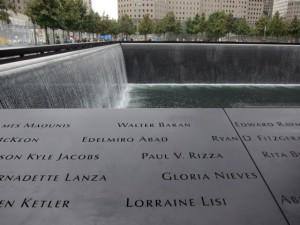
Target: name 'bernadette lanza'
x,y
52,178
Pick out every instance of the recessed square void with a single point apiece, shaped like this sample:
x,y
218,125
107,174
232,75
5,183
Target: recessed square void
x,y
156,75
146,134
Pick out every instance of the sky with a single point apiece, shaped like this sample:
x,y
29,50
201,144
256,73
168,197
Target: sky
x,y
109,7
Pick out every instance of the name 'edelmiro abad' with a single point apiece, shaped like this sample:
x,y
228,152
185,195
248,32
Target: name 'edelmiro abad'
x,y
109,140
154,125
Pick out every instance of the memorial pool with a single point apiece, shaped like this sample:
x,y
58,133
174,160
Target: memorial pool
x,y
211,96
98,77
65,160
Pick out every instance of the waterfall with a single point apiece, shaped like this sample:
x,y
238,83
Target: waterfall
x,y
92,78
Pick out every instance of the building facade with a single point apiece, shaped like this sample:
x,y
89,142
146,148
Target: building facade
x,y
21,5
136,9
268,7
251,10
255,10
280,6
287,9
293,10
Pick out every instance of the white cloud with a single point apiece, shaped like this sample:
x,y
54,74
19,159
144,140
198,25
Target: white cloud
x,y
108,7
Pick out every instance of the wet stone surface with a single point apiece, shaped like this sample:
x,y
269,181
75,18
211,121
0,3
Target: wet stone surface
x,y
150,166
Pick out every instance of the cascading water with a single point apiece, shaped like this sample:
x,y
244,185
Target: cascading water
x,y
93,78
188,75
210,75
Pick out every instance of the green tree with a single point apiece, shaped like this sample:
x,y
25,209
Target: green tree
x,y
189,26
69,15
158,27
201,23
113,28
277,26
262,25
46,14
217,25
126,26
90,22
241,27
146,26
196,25
103,25
108,26
168,25
81,11
294,28
6,5
75,17
230,23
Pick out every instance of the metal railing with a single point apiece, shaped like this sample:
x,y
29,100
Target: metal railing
x,y
14,54
22,53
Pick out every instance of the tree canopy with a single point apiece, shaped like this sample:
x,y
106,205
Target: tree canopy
x,y
262,25
217,25
126,25
146,26
72,15
196,25
168,24
294,28
45,13
241,27
277,26
6,5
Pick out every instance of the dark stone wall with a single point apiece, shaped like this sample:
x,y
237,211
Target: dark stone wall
x,y
211,63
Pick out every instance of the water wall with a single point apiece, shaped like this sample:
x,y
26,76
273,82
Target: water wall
x,y
92,78
212,63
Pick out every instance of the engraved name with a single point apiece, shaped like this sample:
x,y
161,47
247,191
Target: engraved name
x,y
19,140
156,125
124,140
